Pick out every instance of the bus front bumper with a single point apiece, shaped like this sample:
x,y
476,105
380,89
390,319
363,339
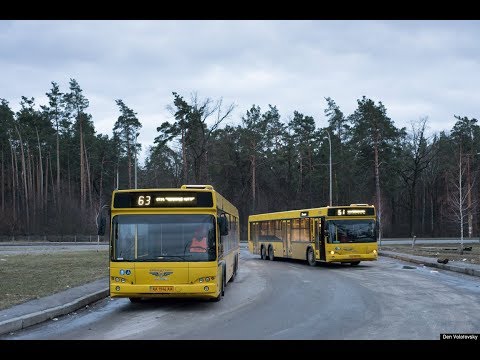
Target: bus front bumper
x,y
351,257
208,290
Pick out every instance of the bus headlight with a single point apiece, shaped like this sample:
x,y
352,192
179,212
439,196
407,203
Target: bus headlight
x,y
332,252
207,279
117,288
374,252
205,288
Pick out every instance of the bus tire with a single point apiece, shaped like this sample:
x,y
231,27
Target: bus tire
x,y
263,254
354,263
222,289
218,298
135,300
224,281
311,257
235,267
271,256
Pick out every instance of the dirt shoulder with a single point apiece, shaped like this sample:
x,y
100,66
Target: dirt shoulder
x,y
471,252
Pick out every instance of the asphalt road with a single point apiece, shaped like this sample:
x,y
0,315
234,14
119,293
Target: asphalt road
x,y
386,299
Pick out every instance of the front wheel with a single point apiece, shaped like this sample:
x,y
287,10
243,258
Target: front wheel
x,y
222,290
311,257
135,299
355,263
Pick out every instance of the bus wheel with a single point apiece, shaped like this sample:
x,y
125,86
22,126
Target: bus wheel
x,y
135,299
271,256
355,263
222,290
224,281
311,257
218,298
235,267
263,255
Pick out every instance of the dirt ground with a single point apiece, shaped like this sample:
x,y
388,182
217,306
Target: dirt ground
x,y
451,252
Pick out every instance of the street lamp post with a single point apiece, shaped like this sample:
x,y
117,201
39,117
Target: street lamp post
x,y
136,136
330,145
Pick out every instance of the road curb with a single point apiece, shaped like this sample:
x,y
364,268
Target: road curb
x,y
24,321
459,269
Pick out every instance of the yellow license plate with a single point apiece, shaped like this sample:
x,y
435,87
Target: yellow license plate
x,y
161,288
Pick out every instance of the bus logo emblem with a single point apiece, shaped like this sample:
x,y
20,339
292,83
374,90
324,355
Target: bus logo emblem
x,y
161,274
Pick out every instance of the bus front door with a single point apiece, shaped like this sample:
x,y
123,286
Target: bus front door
x,y
320,237
287,250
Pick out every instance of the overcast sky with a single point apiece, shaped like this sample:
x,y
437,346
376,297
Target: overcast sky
x,y
415,68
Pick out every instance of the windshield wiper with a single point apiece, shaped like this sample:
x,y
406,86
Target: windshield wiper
x,y
172,256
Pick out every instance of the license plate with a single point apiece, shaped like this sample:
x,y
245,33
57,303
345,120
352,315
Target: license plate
x,y
161,288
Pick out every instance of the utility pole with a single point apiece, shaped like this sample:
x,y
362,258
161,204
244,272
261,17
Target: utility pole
x,y
135,149
330,145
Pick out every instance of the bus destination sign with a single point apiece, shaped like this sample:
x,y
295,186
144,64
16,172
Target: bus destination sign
x,y
348,211
161,199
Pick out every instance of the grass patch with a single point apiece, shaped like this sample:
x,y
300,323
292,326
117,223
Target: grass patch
x,y
31,276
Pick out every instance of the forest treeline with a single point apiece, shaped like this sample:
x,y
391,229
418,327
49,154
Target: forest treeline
x,y
56,170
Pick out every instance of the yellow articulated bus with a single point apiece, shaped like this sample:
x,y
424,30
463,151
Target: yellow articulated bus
x,y
171,243
346,234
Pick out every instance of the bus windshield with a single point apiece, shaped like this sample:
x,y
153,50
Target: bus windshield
x,y
351,231
163,238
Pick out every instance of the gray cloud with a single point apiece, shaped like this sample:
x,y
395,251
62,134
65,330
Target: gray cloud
x,y
415,68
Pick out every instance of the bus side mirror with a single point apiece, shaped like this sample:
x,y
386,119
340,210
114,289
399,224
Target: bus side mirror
x,y
223,224
101,221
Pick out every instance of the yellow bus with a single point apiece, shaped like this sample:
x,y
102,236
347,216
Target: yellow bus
x,y
171,243
346,234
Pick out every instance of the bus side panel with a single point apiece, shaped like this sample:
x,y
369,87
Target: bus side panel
x,y
299,250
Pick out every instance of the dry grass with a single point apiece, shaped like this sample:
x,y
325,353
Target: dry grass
x,y
450,251
30,276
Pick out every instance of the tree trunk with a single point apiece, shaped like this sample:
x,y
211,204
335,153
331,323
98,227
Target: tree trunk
x,y
45,204
184,156
377,187
129,159
469,200
460,202
88,188
3,185
253,184
54,196
83,197
24,172
40,177
431,215
58,164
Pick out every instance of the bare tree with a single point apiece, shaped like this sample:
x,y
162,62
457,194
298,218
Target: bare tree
x,y
459,205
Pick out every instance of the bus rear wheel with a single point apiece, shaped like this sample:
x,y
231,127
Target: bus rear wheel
x,y
263,254
354,263
235,267
311,257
